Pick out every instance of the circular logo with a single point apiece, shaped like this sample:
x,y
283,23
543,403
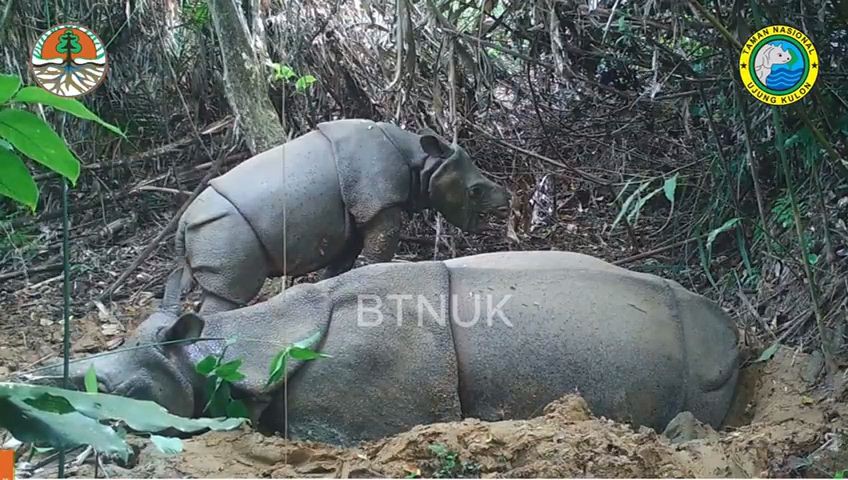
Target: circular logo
x,y
779,65
68,60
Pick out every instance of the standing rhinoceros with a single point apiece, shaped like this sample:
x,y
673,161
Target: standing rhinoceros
x,y
322,199
491,336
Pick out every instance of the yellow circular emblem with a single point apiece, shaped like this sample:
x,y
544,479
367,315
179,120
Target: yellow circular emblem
x,y
779,65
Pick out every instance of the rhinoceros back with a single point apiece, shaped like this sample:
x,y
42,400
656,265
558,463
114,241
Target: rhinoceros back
x,y
292,188
569,322
373,172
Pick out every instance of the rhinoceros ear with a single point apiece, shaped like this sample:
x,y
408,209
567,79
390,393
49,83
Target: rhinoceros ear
x,y
435,147
188,326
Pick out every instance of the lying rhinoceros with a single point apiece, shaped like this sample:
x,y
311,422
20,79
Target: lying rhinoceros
x,y
491,336
322,199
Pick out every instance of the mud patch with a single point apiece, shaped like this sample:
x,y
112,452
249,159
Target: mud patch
x,y
789,421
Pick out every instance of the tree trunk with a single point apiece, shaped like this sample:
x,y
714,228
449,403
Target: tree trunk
x,y
244,81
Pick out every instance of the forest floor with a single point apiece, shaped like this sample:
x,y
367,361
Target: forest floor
x,y
783,423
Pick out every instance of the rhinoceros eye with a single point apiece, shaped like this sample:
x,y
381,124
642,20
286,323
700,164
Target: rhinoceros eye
x,y
475,191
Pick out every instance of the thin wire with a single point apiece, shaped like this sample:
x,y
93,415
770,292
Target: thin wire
x,y
285,269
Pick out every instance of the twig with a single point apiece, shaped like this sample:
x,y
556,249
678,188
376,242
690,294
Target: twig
x,y
655,251
42,269
150,188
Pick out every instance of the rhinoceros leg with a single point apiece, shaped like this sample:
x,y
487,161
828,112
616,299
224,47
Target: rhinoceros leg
x,y
345,260
226,257
381,235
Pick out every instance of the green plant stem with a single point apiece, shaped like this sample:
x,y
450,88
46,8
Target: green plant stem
x,y
66,290
753,164
799,231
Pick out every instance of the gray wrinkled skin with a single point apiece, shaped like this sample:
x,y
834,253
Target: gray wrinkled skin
x,y
637,347
320,200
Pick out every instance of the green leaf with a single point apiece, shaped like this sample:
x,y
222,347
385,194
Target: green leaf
x,y
278,366
16,181
167,445
768,353
298,353
228,370
9,84
812,258
207,365
237,409
50,403
287,72
637,209
58,430
309,341
35,139
69,105
669,187
233,377
139,415
627,203
219,399
304,82
715,233
91,380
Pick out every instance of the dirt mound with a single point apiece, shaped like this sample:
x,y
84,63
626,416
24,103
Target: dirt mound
x,y
778,421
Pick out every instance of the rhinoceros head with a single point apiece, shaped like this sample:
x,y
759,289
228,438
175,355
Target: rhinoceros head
x,y
458,189
149,366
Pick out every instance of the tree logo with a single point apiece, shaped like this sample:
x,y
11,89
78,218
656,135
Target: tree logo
x,y
69,61
779,65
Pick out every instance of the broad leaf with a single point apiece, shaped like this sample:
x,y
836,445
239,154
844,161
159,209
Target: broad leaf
x,y
303,352
9,84
69,105
30,424
309,341
298,353
139,415
51,403
237,409
715,233
278,366
91,380
627,203
167,445
207,365
669,187
228,370
637,209
768,353
304,82
35,139
16,181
